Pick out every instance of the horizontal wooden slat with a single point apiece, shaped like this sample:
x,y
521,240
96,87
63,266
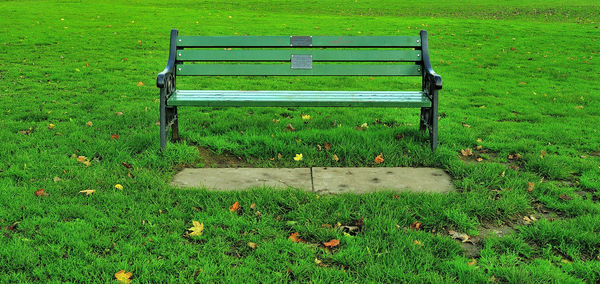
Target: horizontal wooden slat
x,y
285,55
299,98
285,70
284,41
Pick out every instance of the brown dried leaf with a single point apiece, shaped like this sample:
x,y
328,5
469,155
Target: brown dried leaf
x,y
252,245
379,158
327,146
416,225
332,243
40,192
87,191
466,152
235,207
335,157
543,154
290,127
530,186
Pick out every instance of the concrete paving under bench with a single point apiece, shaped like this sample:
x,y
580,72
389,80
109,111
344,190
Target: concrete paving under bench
x,y
318,180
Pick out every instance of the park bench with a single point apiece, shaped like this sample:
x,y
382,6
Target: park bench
x,y
298,56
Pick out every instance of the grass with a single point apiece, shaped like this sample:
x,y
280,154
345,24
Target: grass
x,y
521,79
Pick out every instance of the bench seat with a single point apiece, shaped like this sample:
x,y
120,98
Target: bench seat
x,y
299,98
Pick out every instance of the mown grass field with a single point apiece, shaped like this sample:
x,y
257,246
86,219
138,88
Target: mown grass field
x,y
520,89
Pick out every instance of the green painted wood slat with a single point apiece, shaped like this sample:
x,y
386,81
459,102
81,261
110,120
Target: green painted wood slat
x,y
299,98
285,55
284,41
286,70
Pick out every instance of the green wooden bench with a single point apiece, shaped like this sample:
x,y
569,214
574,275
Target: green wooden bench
x,y
298,56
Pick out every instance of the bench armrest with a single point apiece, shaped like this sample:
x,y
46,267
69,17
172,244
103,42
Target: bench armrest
x,y
428,73
170,68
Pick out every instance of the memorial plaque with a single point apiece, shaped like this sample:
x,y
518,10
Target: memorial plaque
x,y
301,40
301,61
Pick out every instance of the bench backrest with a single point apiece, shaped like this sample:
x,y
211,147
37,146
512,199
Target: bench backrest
x,y
298,55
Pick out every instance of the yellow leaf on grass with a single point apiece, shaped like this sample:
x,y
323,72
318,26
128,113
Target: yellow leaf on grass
x,y
123,277
298,157
118,186
197,229
89,124
305,116
51,126
335,157
139,84
472,262
87,191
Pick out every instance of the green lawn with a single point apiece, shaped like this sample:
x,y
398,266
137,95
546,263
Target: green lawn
x,y
520,89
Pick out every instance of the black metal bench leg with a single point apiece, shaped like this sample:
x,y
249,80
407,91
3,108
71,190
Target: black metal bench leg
x,y
424,118
175,123
163,119
433,132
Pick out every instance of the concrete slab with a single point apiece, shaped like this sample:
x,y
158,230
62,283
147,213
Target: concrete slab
x,y
363,180
226,179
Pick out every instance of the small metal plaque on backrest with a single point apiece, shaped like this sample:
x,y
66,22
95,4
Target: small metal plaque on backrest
x,y
301,41
301,61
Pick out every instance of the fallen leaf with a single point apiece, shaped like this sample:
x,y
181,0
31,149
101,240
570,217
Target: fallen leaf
x,y
196,230
140,42
466,125
327,146
466,152
579,107
319,148
479,140
417,242
479,159
543,154
290,127
118,186
565,261
252,245
139,84
530,186
379,158
279,156
565,197
114,136
51,126
479,147
472,262
335,157
123,277
305,116
416,225
126,165
87,191
89,124
253,206
326,226
40,192
294,237
56,179
298,157
275,120
118,113
460,236
87,64
400,136
332,243
234,207
13,226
